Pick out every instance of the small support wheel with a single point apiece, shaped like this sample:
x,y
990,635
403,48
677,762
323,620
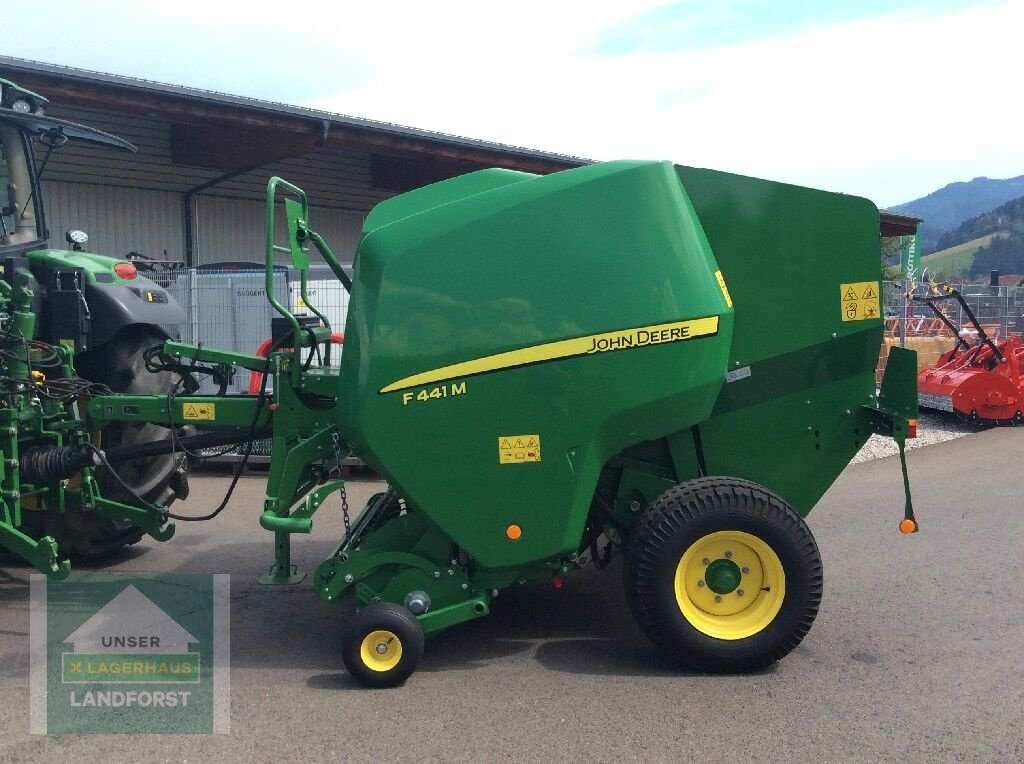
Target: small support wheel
x,y
383,645
723,575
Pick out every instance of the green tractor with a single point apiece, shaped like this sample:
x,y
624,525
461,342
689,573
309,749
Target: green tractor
x,y
97,306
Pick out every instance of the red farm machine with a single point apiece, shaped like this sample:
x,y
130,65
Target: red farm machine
x,y
980,378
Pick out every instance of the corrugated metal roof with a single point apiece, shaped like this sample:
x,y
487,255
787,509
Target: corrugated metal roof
x,y
10,64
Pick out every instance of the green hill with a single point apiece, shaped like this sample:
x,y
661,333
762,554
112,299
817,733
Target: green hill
x,y
951,205
958,259
1005,217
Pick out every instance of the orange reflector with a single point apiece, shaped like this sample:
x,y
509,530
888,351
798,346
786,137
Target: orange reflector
x,y
513,532
908,526
126,271
556,581
912,429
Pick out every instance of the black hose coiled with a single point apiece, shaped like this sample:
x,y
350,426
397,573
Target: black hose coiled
x,y
48,464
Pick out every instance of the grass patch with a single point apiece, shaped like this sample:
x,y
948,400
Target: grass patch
x,y
958,259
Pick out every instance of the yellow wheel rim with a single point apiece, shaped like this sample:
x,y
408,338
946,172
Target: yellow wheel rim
x,y
730,585
381,650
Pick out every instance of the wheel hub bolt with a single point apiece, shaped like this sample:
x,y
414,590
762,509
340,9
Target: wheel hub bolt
x,y
745,570
382,648
728,555
706,561
718,598
739,592
701,583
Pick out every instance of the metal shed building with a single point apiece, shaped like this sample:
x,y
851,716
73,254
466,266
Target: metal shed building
x,y
194,191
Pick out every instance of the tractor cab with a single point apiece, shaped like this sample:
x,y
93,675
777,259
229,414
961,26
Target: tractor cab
x,y
22,122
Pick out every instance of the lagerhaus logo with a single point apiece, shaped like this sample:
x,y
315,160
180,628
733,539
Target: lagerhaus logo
x,y
131,654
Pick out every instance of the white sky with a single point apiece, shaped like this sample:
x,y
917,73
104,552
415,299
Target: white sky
x,y
779,90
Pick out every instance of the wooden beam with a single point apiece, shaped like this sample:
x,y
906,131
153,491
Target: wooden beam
x,y
216,147
406,173
64,92
185,110
358,139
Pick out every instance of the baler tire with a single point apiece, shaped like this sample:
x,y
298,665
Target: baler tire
x,y
395,623
119,365
709,513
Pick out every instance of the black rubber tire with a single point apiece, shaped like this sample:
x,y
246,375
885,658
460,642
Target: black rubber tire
x,y
389,617
119,365
688,512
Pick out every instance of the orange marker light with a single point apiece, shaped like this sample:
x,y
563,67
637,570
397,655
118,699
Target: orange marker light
x,y
908,526
513,532
912,428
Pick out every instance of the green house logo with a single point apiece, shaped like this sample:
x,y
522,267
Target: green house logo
x,y
130,639
116,653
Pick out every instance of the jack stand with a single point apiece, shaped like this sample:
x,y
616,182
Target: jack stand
x,y
909,522
283,573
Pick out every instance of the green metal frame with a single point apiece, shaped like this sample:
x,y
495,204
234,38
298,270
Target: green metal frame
x,y
297,216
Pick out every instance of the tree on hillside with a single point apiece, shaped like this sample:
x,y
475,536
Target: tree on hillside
x,y
1006,217
892,247
1005,255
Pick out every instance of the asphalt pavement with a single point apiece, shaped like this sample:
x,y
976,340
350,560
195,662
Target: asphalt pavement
x,y
917,653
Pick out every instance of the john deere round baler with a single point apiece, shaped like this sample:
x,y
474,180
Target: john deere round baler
x,y
664,361
674,361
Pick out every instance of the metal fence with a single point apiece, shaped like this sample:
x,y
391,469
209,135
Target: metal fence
x,y
227,308
999,310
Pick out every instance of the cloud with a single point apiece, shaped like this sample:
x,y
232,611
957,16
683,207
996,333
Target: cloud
x,y
889,105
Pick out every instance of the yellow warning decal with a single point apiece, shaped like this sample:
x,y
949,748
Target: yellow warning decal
x,y
622,339
199,411
517,449
725,289
860,301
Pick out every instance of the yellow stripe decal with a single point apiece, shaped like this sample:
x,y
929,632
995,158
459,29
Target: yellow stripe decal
x,y
725,289
621,339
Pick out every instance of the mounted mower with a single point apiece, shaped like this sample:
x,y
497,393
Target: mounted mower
x,y
978,380
547,370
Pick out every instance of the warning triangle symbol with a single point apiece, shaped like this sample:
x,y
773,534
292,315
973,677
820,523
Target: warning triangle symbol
x,y
849,294
519,443
532,443
869,293
505,444
190,410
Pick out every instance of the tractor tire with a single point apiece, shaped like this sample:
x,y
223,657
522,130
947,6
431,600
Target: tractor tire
x,y
723,576
383,645
119,365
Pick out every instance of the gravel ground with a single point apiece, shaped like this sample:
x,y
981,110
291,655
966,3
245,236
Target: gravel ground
x,y
932,427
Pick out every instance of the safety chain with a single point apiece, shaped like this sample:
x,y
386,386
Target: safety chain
x,y
344,513
336,440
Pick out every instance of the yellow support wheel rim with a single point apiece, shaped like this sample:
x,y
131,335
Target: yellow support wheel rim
x,y
381,650
730,585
